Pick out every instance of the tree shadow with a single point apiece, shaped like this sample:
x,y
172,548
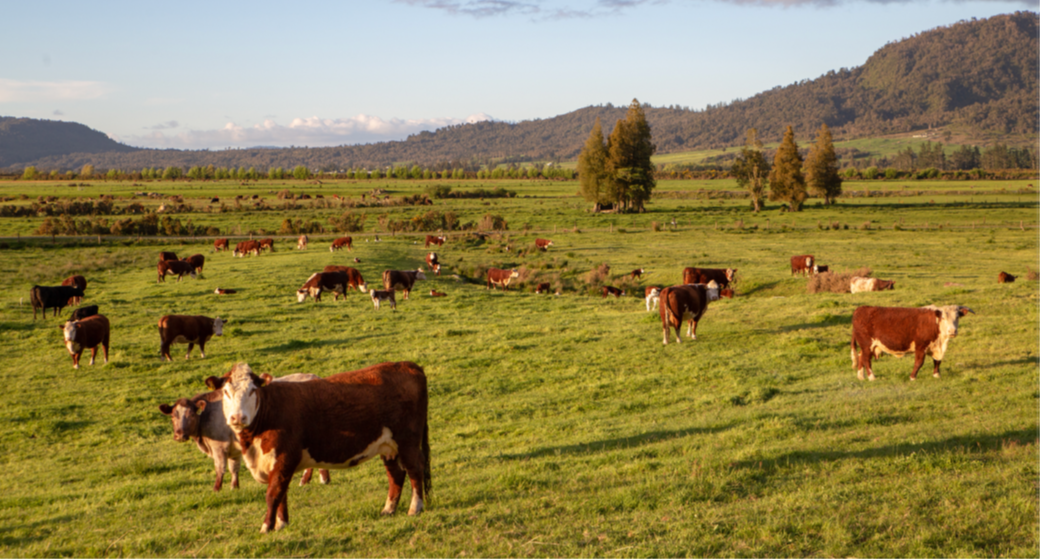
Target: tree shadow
x,y
618,443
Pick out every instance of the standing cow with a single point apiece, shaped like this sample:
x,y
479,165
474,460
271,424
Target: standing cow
x,y
354,278
336,282
498,277
87,333
247,247
653,296
341,243
433,262
431,240
57,298
197,261
338,422
81,283
402,280
220,245
721,276
543,244
191,330
687,302
802,264
179,268
899,330
165,255
301,243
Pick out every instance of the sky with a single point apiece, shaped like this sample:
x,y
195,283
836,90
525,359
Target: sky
x,y
217,75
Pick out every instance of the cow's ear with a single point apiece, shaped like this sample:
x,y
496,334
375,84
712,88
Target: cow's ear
x,y
215,383
963,311
166,409
226,320
256,380
200,407
938,314
266,378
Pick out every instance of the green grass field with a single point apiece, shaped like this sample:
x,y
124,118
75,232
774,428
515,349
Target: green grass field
x,y
559,425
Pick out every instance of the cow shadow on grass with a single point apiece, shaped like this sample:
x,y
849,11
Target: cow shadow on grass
x,y
1033,361
20,534
758,287
633,441
827,321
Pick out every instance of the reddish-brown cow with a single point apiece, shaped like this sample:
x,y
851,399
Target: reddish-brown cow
x,y
686,302
191,330
543,244
402,279
433,262
197,261
336,282
341,243
247,247
354,279
802,264
635,274
220,244
608,290
543,287
167,256
497,277
899,330
176,267
87,333
1002,277
431,240
723,277
81,283
266,244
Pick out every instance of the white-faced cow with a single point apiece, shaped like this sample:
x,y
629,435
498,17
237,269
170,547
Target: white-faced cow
x,y
860,284
81,282
402,280
543,244
336,282
380,296
178,268
342,242
87,333
220,245
247,247
57,298
266,244
433,262
432,240
222,291
687,302
899,330
653,296
191,330
617,293
637,273
721,276
338,422
498,277
802,264
301,243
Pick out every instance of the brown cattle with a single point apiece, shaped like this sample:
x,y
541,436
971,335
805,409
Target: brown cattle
x,y
402,279
686,302
340,243
220,291
653,295
301,243
81,283
197,261
431,240
497,276
433,262
802,264
542,287
1002,277
380,296
608,290
543,244
83,312
435,293
191,330
899,330
167,256
723,277
57,298
220,244
860,284
635,274
354,279
247,247
338,422
336,282
87,333
266,243
178,267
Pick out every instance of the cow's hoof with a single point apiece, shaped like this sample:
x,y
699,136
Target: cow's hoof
x,y
279,524
936,375
872,378
264,529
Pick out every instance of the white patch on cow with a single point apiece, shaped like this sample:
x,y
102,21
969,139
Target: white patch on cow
x,y
218,327
654,297
861,284
948,325
259,463
240,399
363,287
808,262
876,347
384,446
417,505
389,507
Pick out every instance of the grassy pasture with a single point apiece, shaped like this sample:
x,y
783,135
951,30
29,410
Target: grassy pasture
x,y
559,425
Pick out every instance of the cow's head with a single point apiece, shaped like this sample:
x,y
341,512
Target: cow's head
x,y
185,416
363,287
71,330
514,273
882,285
712,289
218,326
239,391
731,274
948,318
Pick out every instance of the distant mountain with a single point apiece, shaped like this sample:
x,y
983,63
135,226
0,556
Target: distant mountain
x,y
976,77
27,139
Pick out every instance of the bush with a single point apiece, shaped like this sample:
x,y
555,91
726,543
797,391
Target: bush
x,y
835,282
493,223
349,222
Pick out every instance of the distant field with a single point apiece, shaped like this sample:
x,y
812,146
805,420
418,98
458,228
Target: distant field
x,y
560,425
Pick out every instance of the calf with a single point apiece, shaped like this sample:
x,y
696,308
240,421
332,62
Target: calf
x,y
220,291
81,282
817,269
191,330
543,244
685,302
220,244
301,243
336,282
431,240
433,263
898,331
338,422
435,293
635,274
1002,277
497,277
266,244
542,287
608,290
860,284
402,279
57,298
653,295
167,256
84,312
178,267
354,279
340,243
87,333
197,261
722,277
383,295
802,264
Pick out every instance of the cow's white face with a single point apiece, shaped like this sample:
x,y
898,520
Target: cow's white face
x,y
218,326
240,399
363,287
514,274
71,328
301,295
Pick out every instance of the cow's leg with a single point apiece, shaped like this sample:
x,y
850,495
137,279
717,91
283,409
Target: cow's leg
x,y
693,329
306,478
234,464
104,345
93,354
219,465
411,457
75,359
190,347
164,351
918,361
324,477
935,373
865,358
202,349
395,475
277,504
406,292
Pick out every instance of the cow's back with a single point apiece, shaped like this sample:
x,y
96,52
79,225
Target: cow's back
x,y
894,327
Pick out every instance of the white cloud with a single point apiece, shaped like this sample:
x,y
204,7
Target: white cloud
x,y
17,91
312,132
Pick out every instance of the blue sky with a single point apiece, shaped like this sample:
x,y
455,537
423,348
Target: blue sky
x,y
195,75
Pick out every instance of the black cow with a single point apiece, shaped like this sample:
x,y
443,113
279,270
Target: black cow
x,y
56,298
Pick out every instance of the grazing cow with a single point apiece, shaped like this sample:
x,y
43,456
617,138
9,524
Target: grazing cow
x,y
220,291
267,244
802,264
340,243
859,284
435,293
338,422
402,279
220,244
685,302
178,267
81,282
247,247
542,287
201,419
301,243
637,273
608,290
723,277
543,244
817,269
357,260
354,279
83,312
191,330
381,296
431,240
167,256
1002,277
87,333
433,263
898,331
56,298
336,282
653,295
196,261
496,277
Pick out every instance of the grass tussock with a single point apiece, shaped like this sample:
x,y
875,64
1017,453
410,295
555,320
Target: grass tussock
x,y
1032,275
836,282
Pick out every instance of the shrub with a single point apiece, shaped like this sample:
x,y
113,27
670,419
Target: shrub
x,y
598,276
493,223
835,282
655,227
1032,275
349,222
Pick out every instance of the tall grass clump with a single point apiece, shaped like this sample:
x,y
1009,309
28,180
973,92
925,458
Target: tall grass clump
x,y
836,282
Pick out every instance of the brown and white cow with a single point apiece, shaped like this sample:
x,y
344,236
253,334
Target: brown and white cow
x,y
266,244
220,244
817,269
1002,277
635,274
435,293
686,302
721,276
178,268
191,330
336,282
247,247
498,277
617,293
860,284
802,264
164,255
197,261
338,422
380,296
900,330
402,279
354,279
81,283
201,419
301,243
653,295
433,262
87,333
221,291
341,243
432,240
543,244
543,287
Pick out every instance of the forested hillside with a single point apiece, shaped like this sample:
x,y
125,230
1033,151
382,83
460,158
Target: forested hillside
x,y
975,77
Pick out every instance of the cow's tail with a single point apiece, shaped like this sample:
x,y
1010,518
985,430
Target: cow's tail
x,y
427,473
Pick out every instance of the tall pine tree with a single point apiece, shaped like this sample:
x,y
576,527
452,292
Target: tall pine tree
x,y
629,149
786,182
821,168
751,168
592,168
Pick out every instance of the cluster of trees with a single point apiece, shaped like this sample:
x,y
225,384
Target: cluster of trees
x,y
789,178
618,172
